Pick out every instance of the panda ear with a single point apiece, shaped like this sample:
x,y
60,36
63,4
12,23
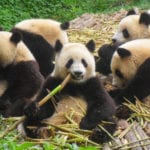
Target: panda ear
x,y
16,37
58,46
65,25
145,18
91,45
131,12
122,52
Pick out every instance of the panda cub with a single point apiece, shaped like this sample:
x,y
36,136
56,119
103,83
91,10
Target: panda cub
x,y
130,67
40,36
133,26
20,79
84,87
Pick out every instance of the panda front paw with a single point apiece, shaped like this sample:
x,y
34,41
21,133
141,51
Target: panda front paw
x,y
99,136
123,112
4,104
87,124
31,110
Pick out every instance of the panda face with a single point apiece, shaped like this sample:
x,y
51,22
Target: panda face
x,y
127,59
75,59
8,47
123,70
129,29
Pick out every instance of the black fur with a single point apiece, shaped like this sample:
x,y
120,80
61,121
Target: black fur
x,y
41,50
65,25
58,46
24,82
100,106
91,45
16,37
131,12
122,52
105,54
126,33
139,87
145,18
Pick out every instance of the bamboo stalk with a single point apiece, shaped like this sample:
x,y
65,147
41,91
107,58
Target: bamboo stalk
x,y
124,145
56,90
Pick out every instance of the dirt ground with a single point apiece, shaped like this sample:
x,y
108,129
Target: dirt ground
x,y
99,27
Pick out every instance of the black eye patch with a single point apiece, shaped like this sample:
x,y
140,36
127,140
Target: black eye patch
x,y
125,33
69,63
119,74
84,62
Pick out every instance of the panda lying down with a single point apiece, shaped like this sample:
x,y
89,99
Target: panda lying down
x,y
84,89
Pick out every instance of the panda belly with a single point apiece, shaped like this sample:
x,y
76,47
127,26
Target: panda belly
x,y
72,107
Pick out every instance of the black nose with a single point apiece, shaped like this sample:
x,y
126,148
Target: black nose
x,y
114,40
78,73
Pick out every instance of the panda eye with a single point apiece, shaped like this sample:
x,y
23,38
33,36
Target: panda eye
x,y
125,33
69,63
119,74
84,63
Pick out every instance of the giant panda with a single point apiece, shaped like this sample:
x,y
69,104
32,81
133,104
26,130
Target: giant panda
x,y
40,36
20,79
84,88
130,67
133,26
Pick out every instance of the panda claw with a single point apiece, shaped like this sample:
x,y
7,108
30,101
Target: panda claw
x,y
86,124
99,136
31,110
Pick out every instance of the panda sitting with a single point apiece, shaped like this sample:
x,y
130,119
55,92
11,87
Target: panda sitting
x,y
84,87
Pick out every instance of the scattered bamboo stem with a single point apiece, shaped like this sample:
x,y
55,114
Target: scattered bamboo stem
x,y
126,131
81,137
56,90
124,145
12,127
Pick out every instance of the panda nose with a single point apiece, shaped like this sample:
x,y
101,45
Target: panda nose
x,y
114,40
78,73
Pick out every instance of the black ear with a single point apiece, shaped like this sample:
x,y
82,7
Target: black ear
x,y
16,37
131,12
58,46
122,52
91,45
65,25
144,18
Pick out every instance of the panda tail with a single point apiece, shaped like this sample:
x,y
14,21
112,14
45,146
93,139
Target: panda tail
x,y
65,25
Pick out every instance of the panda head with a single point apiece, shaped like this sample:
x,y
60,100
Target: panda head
x,y
49,29
127,59
8,47
133,26
76,59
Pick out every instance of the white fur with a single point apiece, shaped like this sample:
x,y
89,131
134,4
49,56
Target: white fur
x,y
140,51
77,52
135,29
8,49
48,28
